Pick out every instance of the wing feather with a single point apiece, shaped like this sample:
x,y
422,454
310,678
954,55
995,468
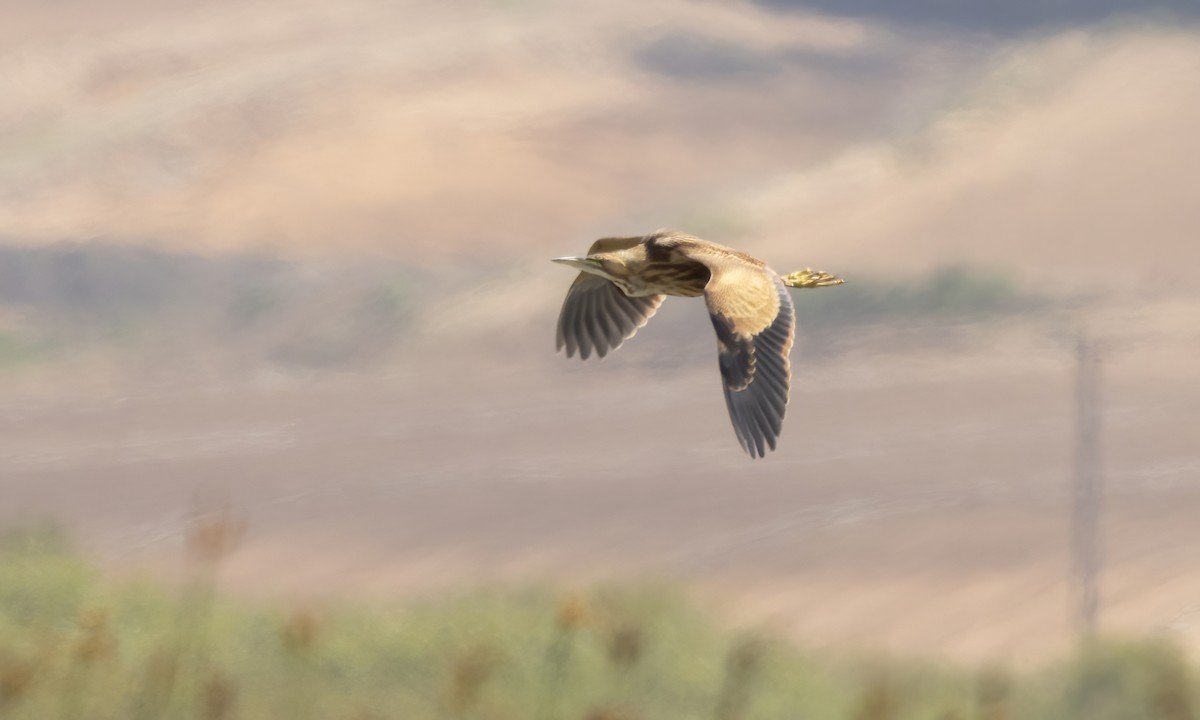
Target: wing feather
x,y
597,315
754,319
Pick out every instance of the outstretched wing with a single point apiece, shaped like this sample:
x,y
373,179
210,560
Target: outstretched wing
x,y
597,315
755,323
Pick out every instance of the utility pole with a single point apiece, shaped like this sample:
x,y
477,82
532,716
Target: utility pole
x,y
1087,485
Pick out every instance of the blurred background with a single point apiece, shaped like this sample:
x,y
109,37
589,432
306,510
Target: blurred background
x,y
290,259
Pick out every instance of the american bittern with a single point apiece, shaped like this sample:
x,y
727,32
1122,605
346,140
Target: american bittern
x,y
624,280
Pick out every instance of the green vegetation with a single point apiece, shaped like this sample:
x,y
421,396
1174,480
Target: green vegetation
x,y
137,298
17,350
75,646
950,294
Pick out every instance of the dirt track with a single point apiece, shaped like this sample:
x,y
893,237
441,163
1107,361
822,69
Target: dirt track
x,y
918,502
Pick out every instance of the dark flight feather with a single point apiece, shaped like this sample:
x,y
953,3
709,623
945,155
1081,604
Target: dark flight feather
x,y
754,319
597,315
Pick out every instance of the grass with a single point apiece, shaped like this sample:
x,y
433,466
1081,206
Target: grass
x,y
75,646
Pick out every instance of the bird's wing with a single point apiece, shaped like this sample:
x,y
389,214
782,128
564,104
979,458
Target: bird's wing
x,y
598,315
755,323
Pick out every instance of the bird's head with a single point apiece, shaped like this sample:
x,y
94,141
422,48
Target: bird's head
x,y
609,266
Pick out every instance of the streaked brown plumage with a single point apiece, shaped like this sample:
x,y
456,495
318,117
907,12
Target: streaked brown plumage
x,y
624,280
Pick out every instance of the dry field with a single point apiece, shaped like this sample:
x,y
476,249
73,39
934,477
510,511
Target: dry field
x,y
919,501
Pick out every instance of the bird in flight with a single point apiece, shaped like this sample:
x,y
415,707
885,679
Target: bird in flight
x,y
623,280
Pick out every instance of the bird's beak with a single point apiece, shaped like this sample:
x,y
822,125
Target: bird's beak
x,y
583,263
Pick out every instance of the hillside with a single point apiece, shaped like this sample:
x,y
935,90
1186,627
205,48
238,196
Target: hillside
x,y
513,132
